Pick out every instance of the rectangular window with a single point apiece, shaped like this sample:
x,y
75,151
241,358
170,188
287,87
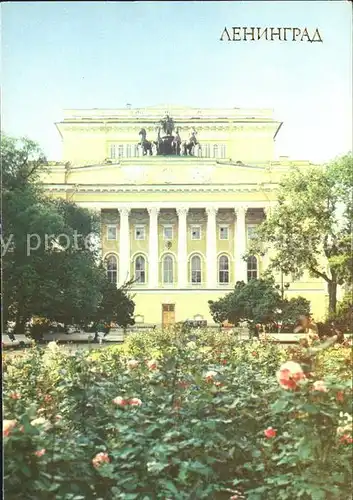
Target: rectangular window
x,y
167,232
223,151
168,307
205,148
112,151
120,150
111,232
128,150
196,232
223,232
139,232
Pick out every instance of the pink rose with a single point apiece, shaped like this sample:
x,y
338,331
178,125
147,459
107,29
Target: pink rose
x,y
132,363
289,374
346,439
270,432
119,401
7,426
209,376
40,453
135,402
100,459
152,364
320,386
15,395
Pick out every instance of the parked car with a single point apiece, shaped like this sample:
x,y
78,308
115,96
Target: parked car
x,y
78,336
195,323
24,341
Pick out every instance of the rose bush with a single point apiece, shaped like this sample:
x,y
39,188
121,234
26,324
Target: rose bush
x,y
167,415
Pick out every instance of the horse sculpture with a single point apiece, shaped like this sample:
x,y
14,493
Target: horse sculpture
x,y
144,143
189,146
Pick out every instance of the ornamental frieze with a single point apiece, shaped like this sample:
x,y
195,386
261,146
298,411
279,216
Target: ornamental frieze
x,y
161,189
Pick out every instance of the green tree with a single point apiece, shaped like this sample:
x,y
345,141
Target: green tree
x,y
24,211
311,226
257,301
293,308
116,305
51,265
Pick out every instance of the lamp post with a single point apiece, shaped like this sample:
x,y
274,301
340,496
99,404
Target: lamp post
x,y
283,287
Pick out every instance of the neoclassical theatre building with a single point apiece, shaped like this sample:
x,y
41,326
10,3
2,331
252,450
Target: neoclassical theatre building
x,y
180,191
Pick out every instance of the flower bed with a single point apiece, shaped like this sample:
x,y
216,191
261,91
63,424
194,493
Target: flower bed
x,y
164,416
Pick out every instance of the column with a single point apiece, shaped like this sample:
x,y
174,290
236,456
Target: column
x,y
240,245
211,247
124,246
153,268
182,247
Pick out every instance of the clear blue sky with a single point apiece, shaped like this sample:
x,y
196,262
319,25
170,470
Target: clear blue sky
x,y
58,55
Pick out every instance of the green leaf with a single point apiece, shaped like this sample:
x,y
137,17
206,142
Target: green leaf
x,y
279,405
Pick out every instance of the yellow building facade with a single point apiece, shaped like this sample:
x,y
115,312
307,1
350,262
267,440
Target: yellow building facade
x,y
178,224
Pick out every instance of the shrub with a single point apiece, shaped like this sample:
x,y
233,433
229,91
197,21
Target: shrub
x,y
169,416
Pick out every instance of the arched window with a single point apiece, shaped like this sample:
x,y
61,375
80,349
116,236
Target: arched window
x,y
196,269
140,269
112,268
168,269
223,269
215,151
252,267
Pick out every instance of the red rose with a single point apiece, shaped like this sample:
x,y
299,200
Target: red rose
x,y
340,396
270,432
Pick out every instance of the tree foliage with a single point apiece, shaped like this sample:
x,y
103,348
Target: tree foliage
x,y
293,308
257,301
116,306
50,262
311,226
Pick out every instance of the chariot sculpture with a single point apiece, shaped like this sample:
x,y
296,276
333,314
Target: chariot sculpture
x,y
168,141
